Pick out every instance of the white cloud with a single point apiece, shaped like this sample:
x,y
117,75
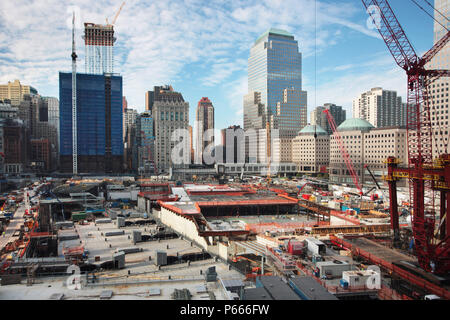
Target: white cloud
x,y
158,40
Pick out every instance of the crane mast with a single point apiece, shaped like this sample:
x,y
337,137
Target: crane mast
x,y
425,176
345,155
74,103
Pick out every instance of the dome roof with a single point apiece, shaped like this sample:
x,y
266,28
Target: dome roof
x,y
311,129
355,124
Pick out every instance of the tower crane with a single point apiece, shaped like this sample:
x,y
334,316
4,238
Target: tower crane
x,y
74,103
345,155
433,252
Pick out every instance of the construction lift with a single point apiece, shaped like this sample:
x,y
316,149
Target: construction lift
x,y
425,176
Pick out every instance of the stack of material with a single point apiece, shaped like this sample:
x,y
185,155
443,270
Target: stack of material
x,y
183,294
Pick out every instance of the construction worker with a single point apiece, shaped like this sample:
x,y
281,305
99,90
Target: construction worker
x,y
4,234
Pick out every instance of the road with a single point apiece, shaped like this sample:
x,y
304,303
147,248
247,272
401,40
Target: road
x,y
14,224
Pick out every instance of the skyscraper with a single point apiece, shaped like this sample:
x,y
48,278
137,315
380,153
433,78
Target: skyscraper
x,y
99,48
15,92
274,65
204,122
382,108
170,112
439,90
99,119
275,91
318,117
146,146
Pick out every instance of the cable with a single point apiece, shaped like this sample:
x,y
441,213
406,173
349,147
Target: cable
x,y
436,10
415,2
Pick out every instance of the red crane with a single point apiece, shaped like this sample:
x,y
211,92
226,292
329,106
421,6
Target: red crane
x,y
345,155
424,176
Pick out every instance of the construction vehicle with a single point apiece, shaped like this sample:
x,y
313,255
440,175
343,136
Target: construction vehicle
x,y
432,245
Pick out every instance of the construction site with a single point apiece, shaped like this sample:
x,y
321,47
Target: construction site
x,y
254,238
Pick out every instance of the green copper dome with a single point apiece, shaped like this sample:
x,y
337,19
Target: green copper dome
x,y
355,124
311,129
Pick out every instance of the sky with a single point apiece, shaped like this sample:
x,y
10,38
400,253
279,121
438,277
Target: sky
x,y
201,48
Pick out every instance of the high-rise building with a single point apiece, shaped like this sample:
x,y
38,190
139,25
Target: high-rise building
x,y
204,121
129,119
275,92
15,92
191,142
159,93
99,123
129,126
13,146
382,108
291,114
232,144
146,143
170,112
53,117
274,65
42,128
318,117
99,48
8,111
439,90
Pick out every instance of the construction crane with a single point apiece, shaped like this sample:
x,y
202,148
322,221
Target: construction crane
x,y
74,103
116,16
345,155
424,176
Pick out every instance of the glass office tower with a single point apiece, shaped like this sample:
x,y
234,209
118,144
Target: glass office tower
x,y
274,65
99,119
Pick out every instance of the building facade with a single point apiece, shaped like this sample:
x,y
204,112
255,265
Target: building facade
x,y
99,48
311,150
291,115
15,91
275,93
170,113
99,123
204,122
439,90
146,146
318,116
366,145
382,108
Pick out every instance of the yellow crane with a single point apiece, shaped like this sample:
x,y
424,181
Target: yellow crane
x,y
116,16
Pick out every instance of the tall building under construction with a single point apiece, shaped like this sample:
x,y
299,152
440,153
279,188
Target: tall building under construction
x,y
99,45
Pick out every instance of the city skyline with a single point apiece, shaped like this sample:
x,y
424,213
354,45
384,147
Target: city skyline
x,y
209,61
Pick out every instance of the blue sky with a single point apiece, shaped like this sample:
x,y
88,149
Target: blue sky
x,y
201,47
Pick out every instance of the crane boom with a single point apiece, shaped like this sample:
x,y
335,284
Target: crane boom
x,y
345,155
392,33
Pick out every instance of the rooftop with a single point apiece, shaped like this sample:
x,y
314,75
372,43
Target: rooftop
x,y
274,31
355,124
311,129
